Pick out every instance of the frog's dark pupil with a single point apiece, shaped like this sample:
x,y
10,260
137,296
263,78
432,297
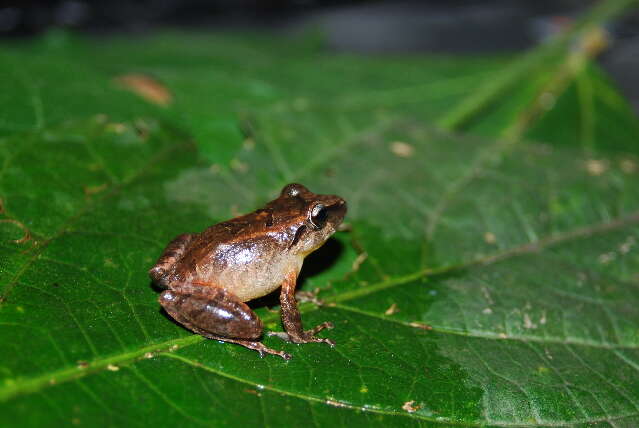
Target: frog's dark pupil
x,y
319,216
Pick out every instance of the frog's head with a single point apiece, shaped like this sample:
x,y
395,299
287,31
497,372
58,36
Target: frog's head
x,y
313,218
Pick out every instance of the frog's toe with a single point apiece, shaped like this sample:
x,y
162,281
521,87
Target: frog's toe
x,y
320,327
263,350
283,354
330,342
307,336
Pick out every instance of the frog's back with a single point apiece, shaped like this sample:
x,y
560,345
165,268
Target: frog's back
x,y
250,227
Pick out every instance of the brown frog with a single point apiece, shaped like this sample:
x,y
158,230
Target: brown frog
x,y
210,275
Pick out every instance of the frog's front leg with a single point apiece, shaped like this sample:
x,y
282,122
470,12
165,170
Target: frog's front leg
x,y
216,314
292,319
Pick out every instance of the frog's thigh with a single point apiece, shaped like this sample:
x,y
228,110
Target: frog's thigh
x,y
211,310
171,254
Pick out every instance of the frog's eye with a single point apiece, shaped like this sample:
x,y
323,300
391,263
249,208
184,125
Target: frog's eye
x,y
318,216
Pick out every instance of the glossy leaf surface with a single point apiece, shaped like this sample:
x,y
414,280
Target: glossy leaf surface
x,y
487,279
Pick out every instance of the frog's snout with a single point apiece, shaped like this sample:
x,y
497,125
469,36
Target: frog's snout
x,y
337,212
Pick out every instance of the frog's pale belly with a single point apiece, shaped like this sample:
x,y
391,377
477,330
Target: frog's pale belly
x,y
249,271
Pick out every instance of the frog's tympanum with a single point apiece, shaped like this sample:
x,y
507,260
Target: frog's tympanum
x,y
210,275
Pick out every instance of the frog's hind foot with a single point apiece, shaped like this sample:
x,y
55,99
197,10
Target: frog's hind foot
x,y
307,336
250,344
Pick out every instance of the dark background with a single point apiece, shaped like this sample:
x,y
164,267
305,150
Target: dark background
x,y
386,27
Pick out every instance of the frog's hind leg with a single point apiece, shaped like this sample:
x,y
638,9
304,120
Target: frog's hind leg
x,y
216,314
171,254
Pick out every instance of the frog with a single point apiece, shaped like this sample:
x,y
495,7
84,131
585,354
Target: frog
x,y
208,277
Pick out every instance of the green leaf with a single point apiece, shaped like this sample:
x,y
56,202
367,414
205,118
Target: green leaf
x,y
489,276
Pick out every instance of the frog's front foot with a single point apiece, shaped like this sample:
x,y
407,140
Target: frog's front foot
x,y
307,336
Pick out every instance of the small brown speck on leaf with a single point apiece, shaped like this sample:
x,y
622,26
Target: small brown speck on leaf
x,y
401,149
490,238
542,320
528,323
248,144
606,258
116,128
92,190
83,364
628,166
239,166
142,128
336,403
146,87
101,118
627,245
391,310
26,234
547,100
596,167
410,406
1,206
252,391
420,326
113,368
